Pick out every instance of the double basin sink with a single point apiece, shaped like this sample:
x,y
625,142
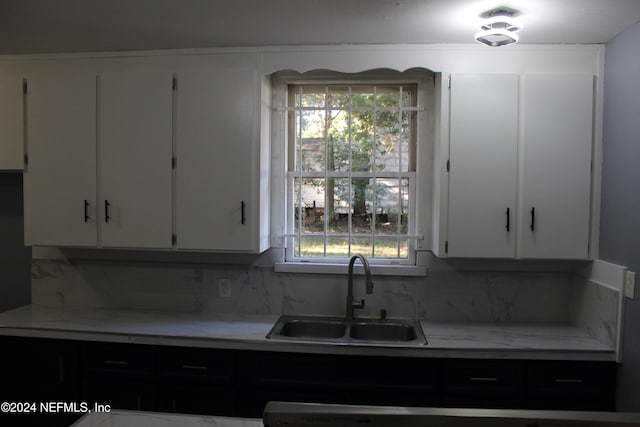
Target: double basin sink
x,y
348,331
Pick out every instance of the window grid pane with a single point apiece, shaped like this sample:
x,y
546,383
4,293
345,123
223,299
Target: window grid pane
x,y
350,142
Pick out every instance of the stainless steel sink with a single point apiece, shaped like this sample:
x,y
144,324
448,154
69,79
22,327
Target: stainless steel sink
x,y
342,331
350,329
383,331
300,328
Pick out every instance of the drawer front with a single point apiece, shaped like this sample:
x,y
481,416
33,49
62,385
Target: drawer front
x,y
479,383
197,365
572,385
340,371
119,360
376,380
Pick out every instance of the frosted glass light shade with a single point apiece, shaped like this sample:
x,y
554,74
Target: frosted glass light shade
x,y
501,21
499,30
496,37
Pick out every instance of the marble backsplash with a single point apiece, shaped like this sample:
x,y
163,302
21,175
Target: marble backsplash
x,y
594,309
447,294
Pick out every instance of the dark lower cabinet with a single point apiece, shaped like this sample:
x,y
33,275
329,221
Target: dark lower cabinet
x,y
165,379
35,374
240,383
196,399
587,386
196,381
484,383
361,380
119,375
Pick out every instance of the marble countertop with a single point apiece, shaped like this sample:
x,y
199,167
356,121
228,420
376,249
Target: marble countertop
x,y
137,419
248,332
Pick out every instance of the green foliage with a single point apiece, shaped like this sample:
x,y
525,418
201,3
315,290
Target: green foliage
x,y
357,129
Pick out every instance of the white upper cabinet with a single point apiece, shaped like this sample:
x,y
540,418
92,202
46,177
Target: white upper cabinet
x,y
60,178
218,160
111,191
556,166
520,166
483,159
11,122
138,159
135,154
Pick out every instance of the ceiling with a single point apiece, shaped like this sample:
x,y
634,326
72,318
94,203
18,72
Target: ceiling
x,y
45,26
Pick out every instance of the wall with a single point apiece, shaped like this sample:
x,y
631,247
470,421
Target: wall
x,y
475,291
448,59
15,259
445,59
458,292
620,227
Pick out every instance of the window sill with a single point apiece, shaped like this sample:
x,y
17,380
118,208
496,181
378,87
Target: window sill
x,y
322,268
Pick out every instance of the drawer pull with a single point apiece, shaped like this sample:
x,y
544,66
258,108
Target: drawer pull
x,y
195,367
483,379
116,362
569,380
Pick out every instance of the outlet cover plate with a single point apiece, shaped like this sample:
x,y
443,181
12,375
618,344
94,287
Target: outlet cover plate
x,y
224,288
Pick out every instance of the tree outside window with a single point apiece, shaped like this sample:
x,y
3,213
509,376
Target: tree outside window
x,y
352,162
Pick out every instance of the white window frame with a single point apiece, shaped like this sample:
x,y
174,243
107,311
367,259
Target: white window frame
x,y
420,203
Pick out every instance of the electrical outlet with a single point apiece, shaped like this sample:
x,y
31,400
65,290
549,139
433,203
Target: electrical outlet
x,y
224,288
629,284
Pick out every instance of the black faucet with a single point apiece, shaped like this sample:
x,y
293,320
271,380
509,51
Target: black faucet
x,y
351,304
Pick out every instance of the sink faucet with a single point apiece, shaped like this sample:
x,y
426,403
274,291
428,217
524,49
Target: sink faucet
x,y
351,304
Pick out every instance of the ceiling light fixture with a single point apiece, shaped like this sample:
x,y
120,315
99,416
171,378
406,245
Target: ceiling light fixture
x,y
499,28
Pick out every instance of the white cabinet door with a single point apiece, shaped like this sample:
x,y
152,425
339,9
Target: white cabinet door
x,y
483,160
216,165
60,178
11,123
556,169
135,154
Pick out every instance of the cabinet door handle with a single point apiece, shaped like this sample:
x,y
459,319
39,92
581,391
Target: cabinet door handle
x,y
533,219
242,212
569,380
116,362
483,379
86,211
106,211
508,220
195,367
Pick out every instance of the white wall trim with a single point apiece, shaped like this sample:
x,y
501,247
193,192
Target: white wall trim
x,y
611,276
442,48
326,268
606,274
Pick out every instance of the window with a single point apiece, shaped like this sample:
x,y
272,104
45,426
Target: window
x,y
351,171
351,166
